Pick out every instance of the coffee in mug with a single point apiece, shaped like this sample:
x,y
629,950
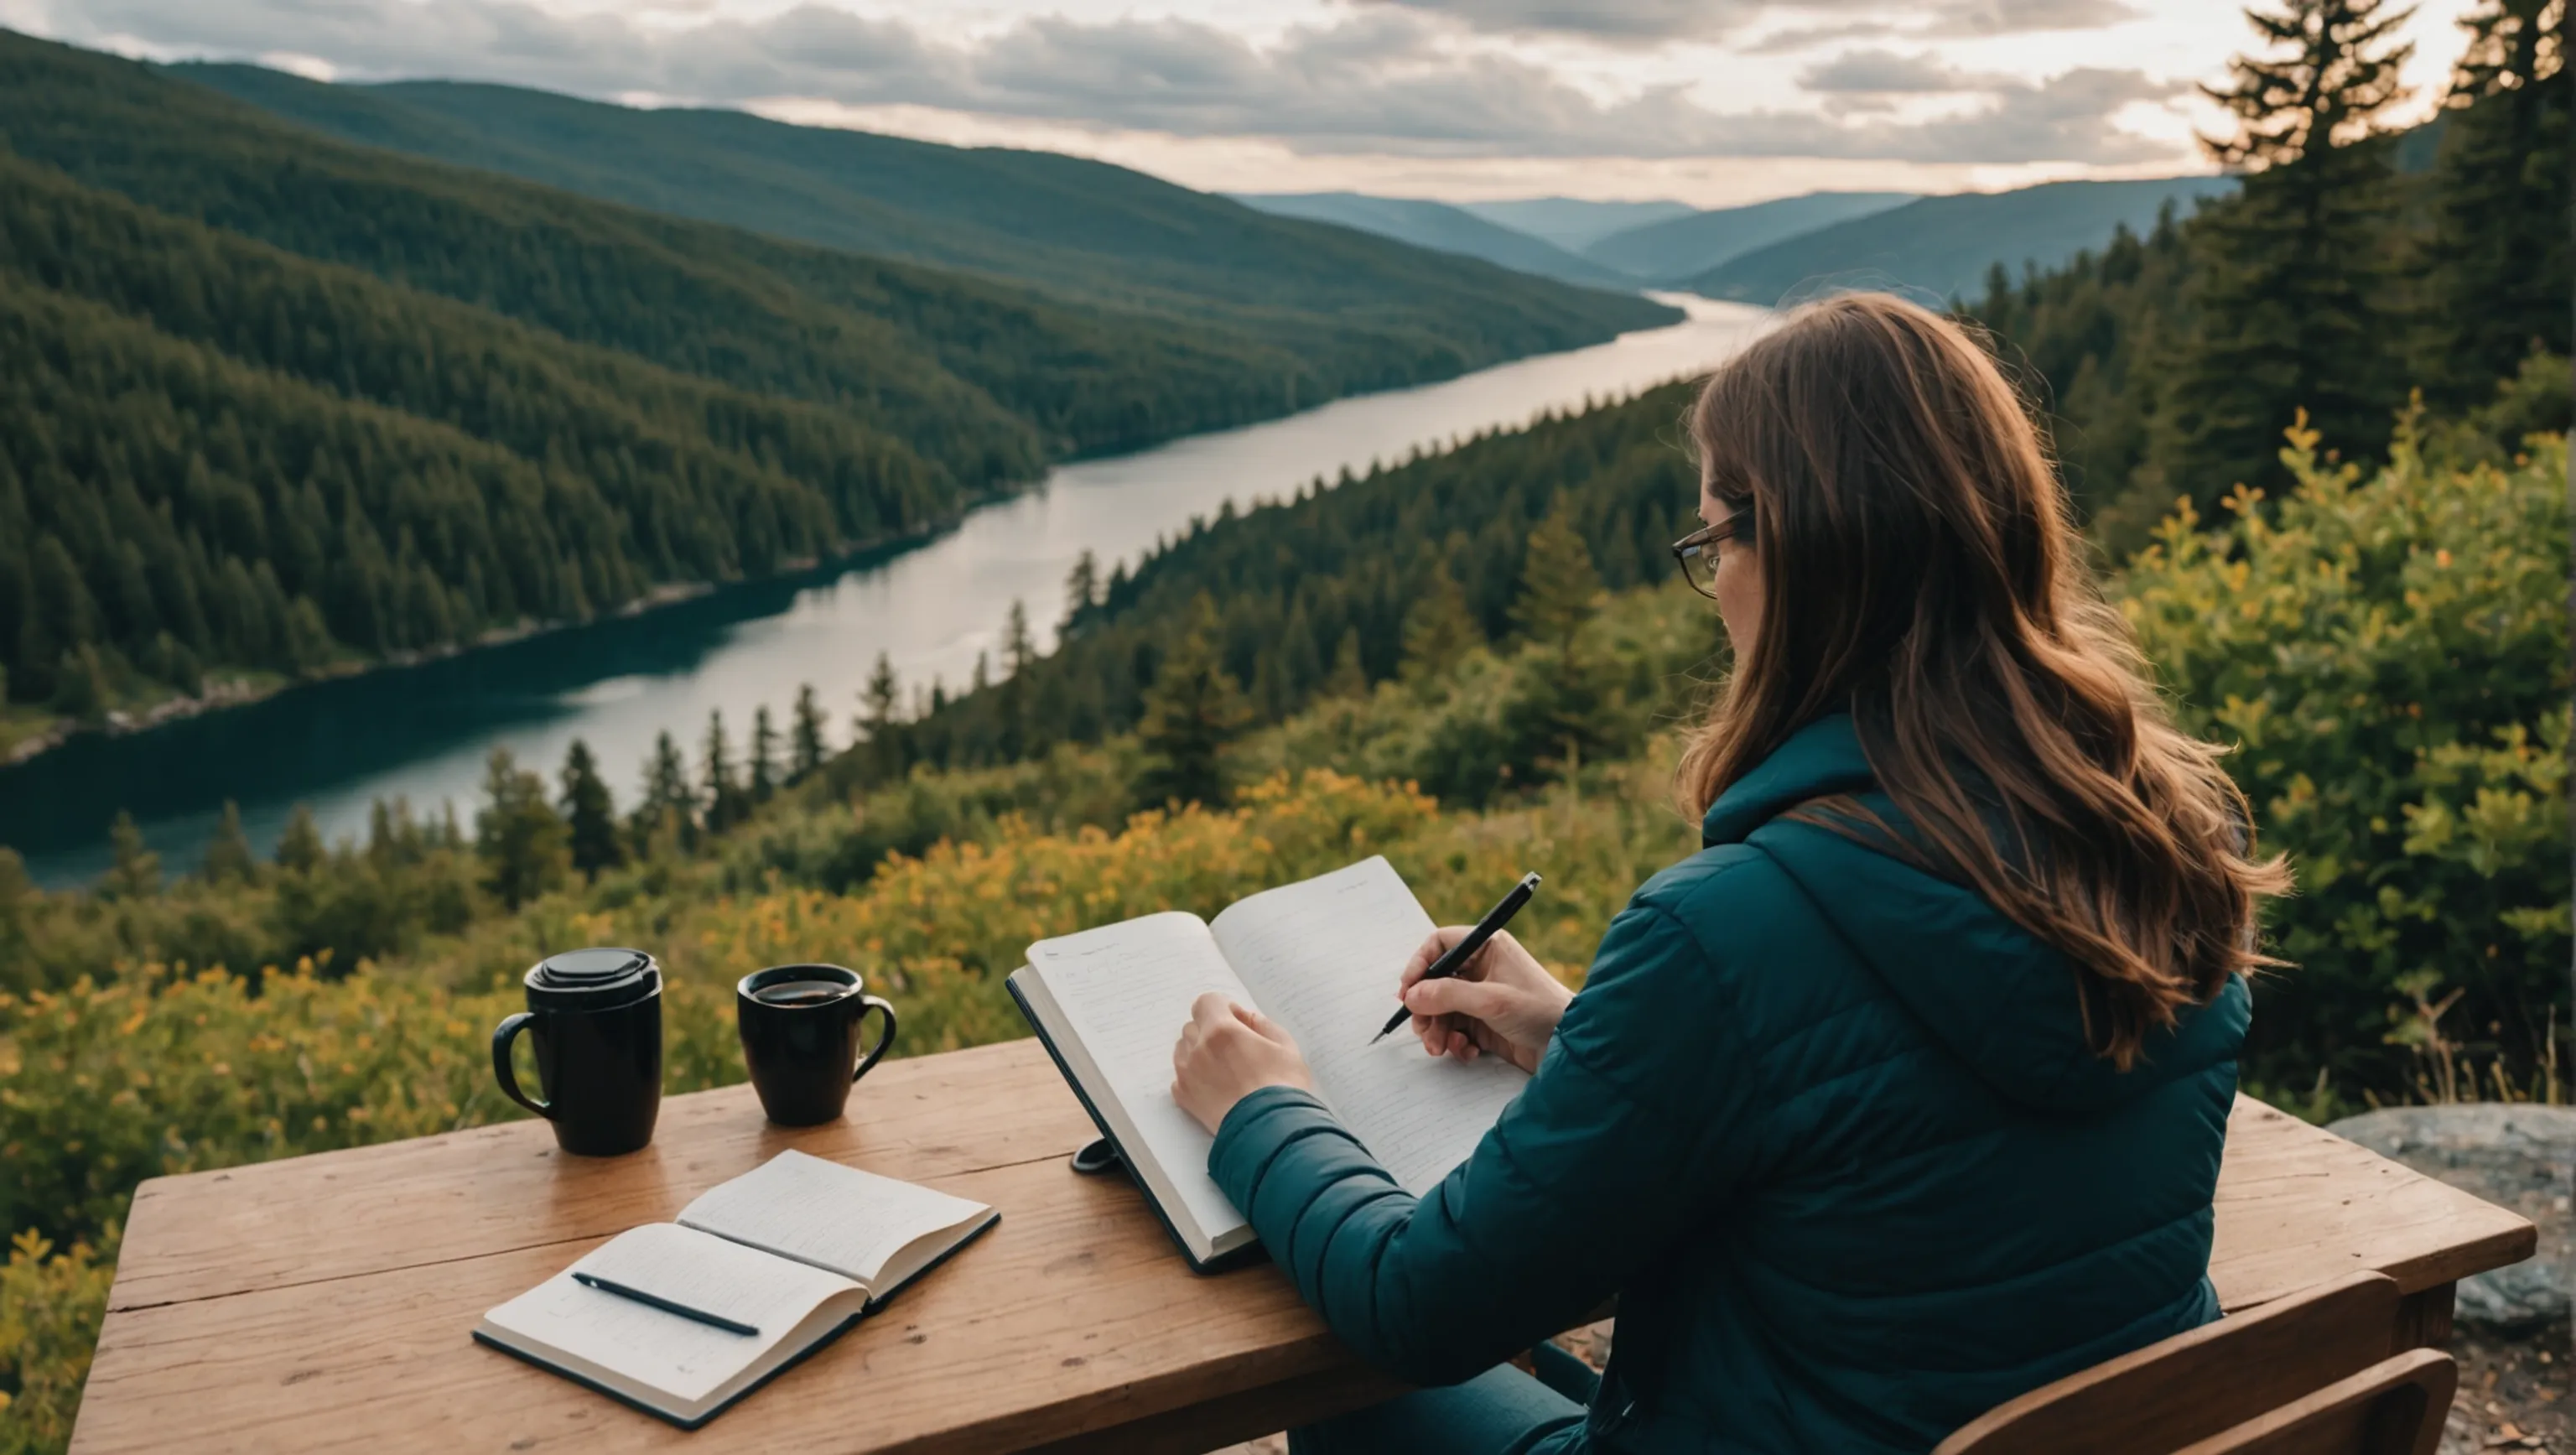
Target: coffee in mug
x,y
801,1037
594,1019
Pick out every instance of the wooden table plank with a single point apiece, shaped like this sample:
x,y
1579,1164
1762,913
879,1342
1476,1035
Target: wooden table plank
x,y
1071,1315
327,1300
2298,1206
433,1199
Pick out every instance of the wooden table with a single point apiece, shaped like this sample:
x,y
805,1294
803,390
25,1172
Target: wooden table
x,y
324,1301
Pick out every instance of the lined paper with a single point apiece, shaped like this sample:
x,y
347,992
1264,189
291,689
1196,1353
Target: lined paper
x,y
1127,990
1322,958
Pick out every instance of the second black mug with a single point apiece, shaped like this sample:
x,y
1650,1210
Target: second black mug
x,y
800,1035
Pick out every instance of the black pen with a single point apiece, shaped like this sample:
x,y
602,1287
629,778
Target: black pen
x,y
1465,950
650,1300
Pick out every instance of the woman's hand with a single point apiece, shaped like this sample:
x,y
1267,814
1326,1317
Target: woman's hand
x,y
1226,1053
1501,1003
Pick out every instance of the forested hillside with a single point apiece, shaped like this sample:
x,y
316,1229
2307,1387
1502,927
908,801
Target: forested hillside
x,y
1081,228
276,402
2355,266
1441,228
1678,249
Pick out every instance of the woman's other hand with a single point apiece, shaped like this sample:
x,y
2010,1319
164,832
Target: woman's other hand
x,y
1226,1053
1501,1003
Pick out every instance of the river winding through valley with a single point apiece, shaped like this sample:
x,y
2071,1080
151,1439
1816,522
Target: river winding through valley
x,y
422,732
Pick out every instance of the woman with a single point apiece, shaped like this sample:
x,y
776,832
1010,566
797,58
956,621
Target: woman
x,y
1906,1094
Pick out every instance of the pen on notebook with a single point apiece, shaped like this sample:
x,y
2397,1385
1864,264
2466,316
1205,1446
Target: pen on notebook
x,y
1465,950
716,1321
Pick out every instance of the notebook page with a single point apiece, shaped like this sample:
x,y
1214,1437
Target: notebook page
x,y
661,1351
1323,957
839,1218
1127,990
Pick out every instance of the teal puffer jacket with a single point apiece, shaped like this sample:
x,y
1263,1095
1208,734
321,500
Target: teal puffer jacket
x,y
1827,1127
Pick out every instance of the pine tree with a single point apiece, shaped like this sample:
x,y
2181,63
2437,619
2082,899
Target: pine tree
x,y
1565,710
1439,629
668,808
764,755
589,813
1192,711
805,735
80,686
1560,590
2289,303
1348,677
229,859
2496,261
1081,589
525,848
879,727
299,848
1011,702
719,784
135,872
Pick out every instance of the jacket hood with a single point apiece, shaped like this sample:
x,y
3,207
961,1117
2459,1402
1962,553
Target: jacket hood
x,y
2001,1000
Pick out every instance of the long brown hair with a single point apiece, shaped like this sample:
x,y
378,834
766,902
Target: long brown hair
x,y
1920,570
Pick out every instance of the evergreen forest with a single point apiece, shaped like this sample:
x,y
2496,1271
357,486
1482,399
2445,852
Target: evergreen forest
x,y
276,404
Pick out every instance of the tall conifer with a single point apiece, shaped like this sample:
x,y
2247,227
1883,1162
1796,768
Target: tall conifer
x,y
525,849
764,755
2496,265
2290,300
136,871
299,848
805,734
229,859
879,726
590,813
1192,711
720,786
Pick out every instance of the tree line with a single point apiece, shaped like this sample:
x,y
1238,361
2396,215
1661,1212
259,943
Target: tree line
x,y
2336,280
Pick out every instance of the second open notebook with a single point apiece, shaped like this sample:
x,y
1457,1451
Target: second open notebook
x,y
683,1318
1321,958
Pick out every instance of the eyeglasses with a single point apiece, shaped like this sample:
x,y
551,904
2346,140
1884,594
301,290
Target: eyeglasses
x,y
1697,552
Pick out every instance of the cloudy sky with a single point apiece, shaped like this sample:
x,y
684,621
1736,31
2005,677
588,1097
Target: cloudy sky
x,y
1708,101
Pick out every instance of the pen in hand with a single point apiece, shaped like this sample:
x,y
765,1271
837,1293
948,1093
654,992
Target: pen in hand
x,y
1465,950
655,1300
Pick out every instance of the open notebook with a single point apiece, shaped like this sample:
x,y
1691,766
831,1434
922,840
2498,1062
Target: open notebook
x,y
797,1249
1320,957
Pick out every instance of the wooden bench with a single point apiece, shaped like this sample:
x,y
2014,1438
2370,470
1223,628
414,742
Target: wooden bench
x,y
2313,1373
325,1301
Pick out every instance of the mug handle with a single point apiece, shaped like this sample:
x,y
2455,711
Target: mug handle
x,y
885,1038
502,1035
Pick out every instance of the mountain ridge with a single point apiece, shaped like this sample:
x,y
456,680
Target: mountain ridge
x,y
1944,245
1441,227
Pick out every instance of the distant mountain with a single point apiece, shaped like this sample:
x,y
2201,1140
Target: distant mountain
x,y
1945,245
1571,222
1441,228
1679,248
1083,230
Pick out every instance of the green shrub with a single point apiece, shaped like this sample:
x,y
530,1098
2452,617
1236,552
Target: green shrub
x,y
51,1302
2390,653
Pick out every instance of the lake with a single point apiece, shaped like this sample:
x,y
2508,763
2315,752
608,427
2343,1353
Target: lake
x,y
423,732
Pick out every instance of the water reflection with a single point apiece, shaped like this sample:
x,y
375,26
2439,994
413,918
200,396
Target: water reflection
x,y
423,732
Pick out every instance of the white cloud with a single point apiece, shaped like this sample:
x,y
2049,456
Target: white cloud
x,y
1376,80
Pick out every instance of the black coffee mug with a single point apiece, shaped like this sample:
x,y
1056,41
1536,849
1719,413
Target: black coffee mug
x,y
800,1034
594,1018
